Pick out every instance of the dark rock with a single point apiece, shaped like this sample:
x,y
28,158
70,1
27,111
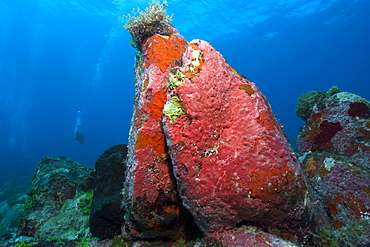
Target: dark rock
x,y
107,215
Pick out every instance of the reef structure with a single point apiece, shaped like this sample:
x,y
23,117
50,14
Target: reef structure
x,y
334,147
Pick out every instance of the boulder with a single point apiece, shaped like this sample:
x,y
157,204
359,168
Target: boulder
x,y
151,198
107,214
231,159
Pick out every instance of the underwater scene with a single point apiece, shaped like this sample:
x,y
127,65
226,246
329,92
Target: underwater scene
x,y
184,123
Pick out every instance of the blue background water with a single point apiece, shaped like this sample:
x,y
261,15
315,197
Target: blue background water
x,y
58,57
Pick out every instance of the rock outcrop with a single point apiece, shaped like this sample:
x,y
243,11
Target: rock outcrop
x,y
334,145
59,201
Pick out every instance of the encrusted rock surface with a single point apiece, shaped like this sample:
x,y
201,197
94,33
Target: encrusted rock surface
x,y
56,207
152,200
250,236
231,159
340,126
343,189
334,146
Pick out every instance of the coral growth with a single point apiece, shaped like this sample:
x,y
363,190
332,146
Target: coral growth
x,y
308,100
335,156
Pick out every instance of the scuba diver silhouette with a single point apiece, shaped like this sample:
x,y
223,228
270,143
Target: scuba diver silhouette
x,y
79,136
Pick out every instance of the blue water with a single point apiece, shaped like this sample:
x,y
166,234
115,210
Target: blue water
x,y
60,57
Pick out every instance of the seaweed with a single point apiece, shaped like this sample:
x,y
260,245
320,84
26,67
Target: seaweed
x,y
144,24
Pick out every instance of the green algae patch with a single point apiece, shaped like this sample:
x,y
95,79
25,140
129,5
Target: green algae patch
x,y
175,79
23,243
85,200
173,110
307,101
119,242
71,222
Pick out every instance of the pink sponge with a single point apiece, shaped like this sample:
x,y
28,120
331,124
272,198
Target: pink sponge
x,y
231,159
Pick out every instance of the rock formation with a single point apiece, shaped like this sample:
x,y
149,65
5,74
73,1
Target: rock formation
x,y
204,140
335,153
